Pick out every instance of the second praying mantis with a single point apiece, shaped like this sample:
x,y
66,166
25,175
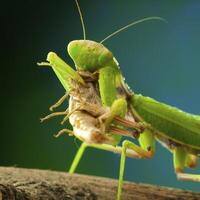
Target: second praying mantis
x,y
103,111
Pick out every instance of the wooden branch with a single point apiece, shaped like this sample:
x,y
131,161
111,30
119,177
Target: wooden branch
x,y
29,184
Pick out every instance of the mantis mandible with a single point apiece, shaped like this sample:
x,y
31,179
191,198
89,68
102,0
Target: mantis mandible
x,y
104,111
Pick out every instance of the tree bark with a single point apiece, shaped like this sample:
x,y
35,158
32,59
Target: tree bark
x,y
28,184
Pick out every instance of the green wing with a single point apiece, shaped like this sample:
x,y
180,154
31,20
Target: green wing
x,y
174,123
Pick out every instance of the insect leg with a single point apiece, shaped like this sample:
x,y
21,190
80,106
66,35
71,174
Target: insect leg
x,y
128,149
69,113
126,145
53,115
78,157
191,161
59,102
65,130
146,138
182,159
106,147
107,85
118,108
188,177
147,141
131,124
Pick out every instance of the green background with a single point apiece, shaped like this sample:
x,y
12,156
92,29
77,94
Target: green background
x,y
158,60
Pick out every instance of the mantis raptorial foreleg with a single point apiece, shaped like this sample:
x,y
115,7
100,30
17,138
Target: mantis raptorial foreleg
x,y
118,108
183,159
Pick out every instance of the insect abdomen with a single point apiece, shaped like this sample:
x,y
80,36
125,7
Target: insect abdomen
x,y
174,123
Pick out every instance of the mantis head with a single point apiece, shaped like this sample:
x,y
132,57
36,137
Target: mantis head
x,y
89,55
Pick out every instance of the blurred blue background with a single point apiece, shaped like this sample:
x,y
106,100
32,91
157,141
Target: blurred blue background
x,y
158,60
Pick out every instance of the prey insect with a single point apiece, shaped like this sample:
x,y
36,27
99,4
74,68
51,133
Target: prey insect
x,y
102,110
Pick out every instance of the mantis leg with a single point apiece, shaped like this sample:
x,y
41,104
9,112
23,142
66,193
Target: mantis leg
x,y
118,108
188,177
105,147
183,159
128,149
128,145
77,158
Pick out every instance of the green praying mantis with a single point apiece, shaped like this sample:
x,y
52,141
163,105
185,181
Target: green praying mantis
x,y
104,112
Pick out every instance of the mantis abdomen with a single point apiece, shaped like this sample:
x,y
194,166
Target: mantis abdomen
x,y
179,126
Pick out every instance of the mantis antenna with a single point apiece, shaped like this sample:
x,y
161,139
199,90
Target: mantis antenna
x,y
81,18
132,24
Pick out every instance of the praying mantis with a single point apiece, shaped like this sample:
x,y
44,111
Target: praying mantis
x,y
104,112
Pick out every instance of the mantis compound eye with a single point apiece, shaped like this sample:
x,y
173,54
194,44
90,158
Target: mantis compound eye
x,y
105,58
73,49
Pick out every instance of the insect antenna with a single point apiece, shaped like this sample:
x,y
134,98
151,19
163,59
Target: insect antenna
x,y
132,24
81,18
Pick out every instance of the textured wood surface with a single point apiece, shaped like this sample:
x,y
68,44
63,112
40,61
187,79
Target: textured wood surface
x,y
26,184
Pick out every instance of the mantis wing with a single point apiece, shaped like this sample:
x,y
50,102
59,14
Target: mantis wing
x,y
170,121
